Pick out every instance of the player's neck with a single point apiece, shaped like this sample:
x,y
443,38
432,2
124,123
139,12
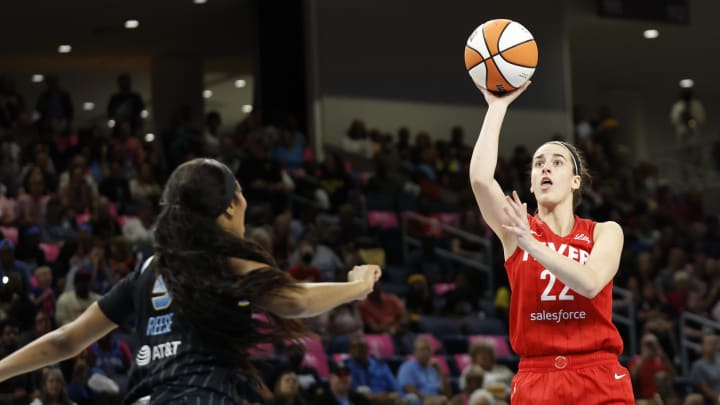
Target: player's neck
x,y
560,218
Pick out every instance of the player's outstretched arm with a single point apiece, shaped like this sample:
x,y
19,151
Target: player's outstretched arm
x,y
58,345
313,299
488,193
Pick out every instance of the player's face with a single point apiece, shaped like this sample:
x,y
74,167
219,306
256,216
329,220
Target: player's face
x,y
552,178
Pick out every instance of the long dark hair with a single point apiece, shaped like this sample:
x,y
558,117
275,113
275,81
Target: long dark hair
x,y
193,252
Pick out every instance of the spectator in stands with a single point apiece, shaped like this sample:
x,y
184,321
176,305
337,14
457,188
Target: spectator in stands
x,y
72,303
370,376
126,104
113,268
307,377
138,230
323,257
78,194
335,181
8,207
286,390
290,150
462,300
262,177
115,185
113,357
28,249
41,160
497,377
15,390
125,144
419,299
423,377
357,140
43,295
651,364
31,206
474,376
54,103
12,103
677,297
229,154
339,390
144,185
53,390
8,264
705,371
382,312
15,304
57,227
43,325
211,134
304,270
103,222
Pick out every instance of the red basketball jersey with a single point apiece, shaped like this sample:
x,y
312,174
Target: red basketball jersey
x,y
548,318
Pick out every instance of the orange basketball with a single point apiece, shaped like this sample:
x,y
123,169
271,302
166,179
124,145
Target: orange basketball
x,y
501,55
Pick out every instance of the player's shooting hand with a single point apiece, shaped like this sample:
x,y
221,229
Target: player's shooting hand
x,y
504,99
516,212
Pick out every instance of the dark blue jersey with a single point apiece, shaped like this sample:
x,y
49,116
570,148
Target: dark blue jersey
x,y
170,365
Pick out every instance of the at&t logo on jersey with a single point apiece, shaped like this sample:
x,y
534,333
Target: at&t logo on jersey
x,y
147,354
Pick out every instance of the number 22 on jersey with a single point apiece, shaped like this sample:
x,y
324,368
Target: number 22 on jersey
x,y
546,296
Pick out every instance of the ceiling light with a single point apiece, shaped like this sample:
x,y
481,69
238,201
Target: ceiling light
x,y
207,93
132,24
687,83
144,114
651,34
199,1
149,137
37,78
246,108
240,83
64,48
111,123
88,106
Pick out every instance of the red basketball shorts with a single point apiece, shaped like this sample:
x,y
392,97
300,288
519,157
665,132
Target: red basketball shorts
x,y
587,379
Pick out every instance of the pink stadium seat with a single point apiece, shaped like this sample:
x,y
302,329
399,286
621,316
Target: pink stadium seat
x,y
462,361
380,345
502,348
338,357
448,218
82,218
51,251
442,288
315,356
382,219
11,233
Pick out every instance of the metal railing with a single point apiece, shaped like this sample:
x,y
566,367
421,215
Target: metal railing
x,y
624,314
687,344
484,266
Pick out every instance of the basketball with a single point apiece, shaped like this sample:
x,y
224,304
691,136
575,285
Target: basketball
x,y
501,55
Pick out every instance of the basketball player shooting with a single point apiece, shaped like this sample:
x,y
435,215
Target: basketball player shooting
x,y
560,268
